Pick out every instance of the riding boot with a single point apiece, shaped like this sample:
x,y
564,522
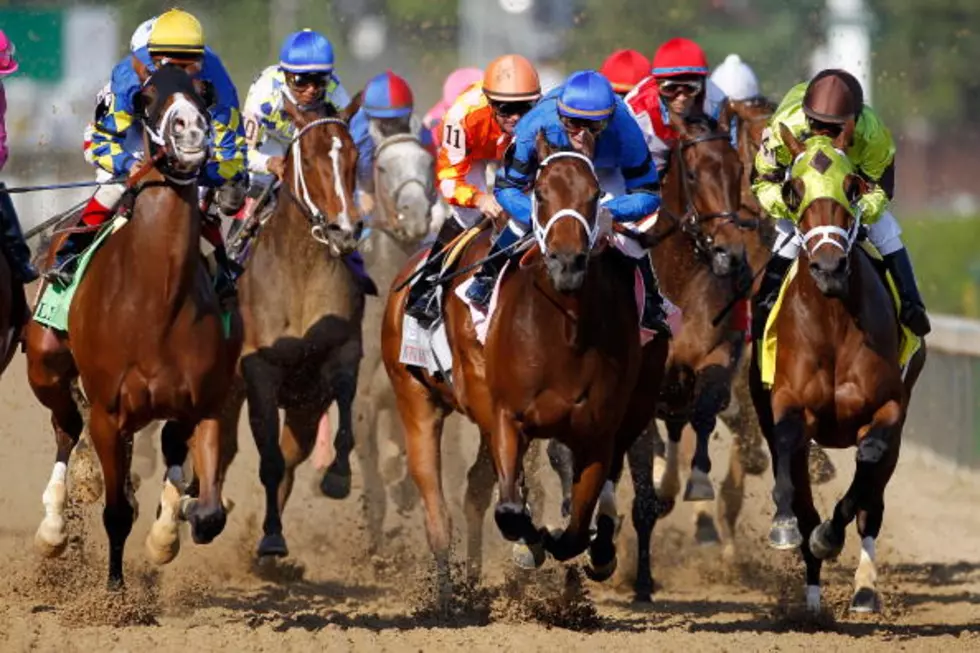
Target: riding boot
x,y
913,310
763,302
654,315
481,288
66,259
419,303
226,271
13,243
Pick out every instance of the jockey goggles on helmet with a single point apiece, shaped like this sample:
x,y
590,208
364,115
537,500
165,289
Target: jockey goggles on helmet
x,y
671,88
511,108
578,125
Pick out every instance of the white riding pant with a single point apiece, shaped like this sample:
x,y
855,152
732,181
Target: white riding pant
x,y
885,235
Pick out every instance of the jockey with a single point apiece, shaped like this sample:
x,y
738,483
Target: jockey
x,y
305,77
11,236
113,143
736,79
458,81
585,103
823,106
386,109
625,69
476,130
678,88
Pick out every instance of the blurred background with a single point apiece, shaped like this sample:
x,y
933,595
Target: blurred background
x,y
916,59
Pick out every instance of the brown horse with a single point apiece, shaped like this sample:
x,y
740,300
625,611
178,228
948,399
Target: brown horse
x,y
302,307
562,359
146,339
837,377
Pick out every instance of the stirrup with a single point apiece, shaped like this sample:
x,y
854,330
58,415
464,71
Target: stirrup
x,y
480,290
62,274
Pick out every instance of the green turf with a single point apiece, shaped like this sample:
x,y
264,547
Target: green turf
x,y
946,253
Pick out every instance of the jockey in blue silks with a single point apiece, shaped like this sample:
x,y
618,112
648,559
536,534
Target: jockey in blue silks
x,y
585,102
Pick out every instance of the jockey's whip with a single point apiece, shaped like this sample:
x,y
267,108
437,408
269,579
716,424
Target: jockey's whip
x,y
38,228
483,224
72,184
505,251
739,295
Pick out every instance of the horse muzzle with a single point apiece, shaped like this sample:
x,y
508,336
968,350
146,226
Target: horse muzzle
x,y
567,270
726,261
830,274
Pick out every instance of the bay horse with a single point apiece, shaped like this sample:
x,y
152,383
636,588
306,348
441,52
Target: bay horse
x,y
562,359
302,307
404,181
146,339
837,377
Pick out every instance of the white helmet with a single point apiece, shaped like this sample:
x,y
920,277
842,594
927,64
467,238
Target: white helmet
x,y
142,35
736,79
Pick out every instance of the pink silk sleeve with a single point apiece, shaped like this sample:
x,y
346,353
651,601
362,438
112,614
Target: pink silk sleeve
x,y
3,126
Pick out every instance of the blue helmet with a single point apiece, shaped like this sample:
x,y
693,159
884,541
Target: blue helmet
x,y
587,95
306,52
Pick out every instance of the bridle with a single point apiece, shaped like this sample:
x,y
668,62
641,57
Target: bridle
x,y
299,192
387,142
541,231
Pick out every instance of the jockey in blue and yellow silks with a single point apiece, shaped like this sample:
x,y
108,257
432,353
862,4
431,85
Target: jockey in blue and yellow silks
x,y
113,142
585,102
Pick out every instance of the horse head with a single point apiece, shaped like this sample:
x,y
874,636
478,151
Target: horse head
x,y
751,117
822,191
172,107
320,174
565,204
404,181
705,179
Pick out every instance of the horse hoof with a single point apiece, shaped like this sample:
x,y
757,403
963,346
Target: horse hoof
x,y
273,545
335,485
527,556
603,572
785,534
50,541
512,520
115,584
865,601
705,533
206,525
822,544
643,597
822,471
699,488
162,543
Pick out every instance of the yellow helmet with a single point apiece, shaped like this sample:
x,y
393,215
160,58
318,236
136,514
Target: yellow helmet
x,y
176,31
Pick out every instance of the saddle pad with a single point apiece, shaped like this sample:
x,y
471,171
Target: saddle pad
x,y
426,348
908,342
52,308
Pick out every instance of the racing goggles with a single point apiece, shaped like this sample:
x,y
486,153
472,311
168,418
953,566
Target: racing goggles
x,y
306,80
672,88
511,108
578,125
191,64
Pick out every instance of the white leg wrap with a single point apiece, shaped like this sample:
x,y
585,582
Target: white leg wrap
x,y
813,598
50,538
867,572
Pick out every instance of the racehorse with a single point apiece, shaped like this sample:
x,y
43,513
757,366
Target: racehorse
x,y
302,307
146,338
404,181
562,359
837,376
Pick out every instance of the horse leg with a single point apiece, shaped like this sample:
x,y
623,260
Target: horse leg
x,y
646,509
744,425
374,504
511,514
479,493
336,481
731,497
206,514
809,518
591,479
118,514
560,459
262,382
163,540
296,443
670,482
602,549
787,437
711,391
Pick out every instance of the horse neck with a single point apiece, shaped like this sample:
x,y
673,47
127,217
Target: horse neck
x,y
165,227
676,253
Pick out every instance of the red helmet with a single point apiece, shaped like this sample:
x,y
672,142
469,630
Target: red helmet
x,y
625,69
679,57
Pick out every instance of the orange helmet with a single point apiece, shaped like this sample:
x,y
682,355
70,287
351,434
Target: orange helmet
x,y
511,78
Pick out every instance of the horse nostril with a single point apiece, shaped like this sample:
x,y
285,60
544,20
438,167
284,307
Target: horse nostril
x,y
579,262
179,125
841,265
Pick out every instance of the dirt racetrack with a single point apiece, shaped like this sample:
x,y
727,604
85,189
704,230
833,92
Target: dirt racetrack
x,y
332,595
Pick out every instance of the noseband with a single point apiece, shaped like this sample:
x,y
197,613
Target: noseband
x,y
318,222
397,191
541,231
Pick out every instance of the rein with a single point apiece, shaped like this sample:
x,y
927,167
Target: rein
x,y
314,215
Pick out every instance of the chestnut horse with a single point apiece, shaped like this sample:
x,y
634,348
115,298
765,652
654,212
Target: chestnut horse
x,y
302,307
146,339
837,376
562,360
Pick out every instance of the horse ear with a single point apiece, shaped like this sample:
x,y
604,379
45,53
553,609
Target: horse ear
x,y
855,186
793,144
793,194
141,70
352,108
845,137
542,146
727,114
